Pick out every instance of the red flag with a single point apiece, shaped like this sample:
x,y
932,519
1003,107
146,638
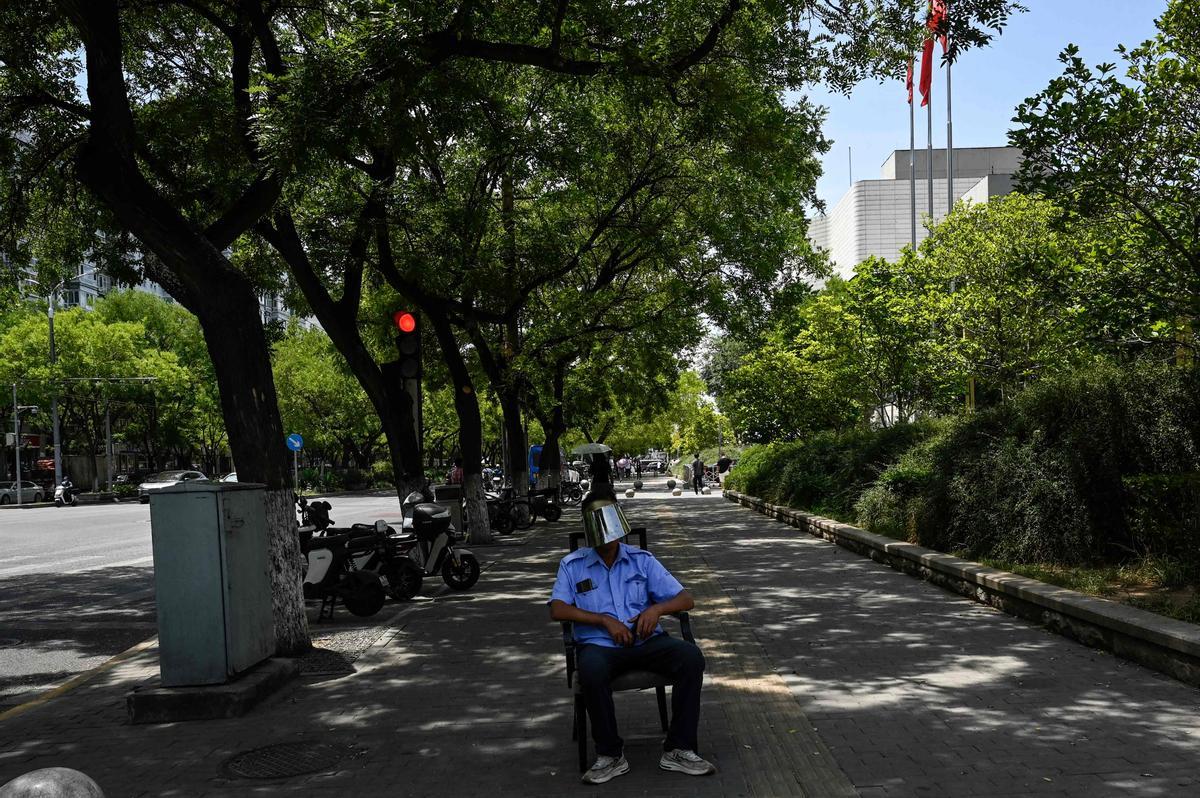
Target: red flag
x,y
908,81
926,71
938,19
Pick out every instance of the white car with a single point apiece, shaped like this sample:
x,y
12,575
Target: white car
x,y
165,479
30,492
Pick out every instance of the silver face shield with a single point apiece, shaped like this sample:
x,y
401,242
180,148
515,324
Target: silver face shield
x,y
603,522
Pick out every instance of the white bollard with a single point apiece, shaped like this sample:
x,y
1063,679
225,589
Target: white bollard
x,y
705,490
629,493
677,492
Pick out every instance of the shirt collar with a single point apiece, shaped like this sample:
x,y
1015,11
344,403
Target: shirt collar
x,y
594,558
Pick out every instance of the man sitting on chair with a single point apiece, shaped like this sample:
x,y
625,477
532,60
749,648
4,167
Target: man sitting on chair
x,y
614,594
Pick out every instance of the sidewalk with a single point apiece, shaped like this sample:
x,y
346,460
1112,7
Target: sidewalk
x,y
912,691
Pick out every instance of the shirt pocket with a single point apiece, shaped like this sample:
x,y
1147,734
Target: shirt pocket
x,y
591,601
637,593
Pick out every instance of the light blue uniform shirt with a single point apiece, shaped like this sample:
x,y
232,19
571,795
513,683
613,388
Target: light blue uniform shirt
x,y
635,581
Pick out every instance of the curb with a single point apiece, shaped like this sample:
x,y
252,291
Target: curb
x,y
78,680
1162,644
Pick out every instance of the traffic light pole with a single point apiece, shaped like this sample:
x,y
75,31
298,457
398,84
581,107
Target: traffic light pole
x,y
17,442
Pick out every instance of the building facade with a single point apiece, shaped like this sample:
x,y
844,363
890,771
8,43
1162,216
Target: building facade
x,y
874,217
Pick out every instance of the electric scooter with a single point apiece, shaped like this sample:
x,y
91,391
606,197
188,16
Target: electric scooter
x,y
329,573
431,544
65,494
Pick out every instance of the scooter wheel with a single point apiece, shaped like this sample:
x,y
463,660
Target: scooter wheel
x,y
552,512
404,579
522,514
465,575
502,523
364,596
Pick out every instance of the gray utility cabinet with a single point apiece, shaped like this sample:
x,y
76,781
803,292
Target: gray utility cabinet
x,y
450,497
212,581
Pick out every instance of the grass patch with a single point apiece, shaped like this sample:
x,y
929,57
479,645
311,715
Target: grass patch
x,y
1160,585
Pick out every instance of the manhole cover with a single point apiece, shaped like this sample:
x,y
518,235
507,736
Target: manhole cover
x,y
284,760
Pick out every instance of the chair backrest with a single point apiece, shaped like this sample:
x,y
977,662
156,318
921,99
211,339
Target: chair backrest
x,y
574,539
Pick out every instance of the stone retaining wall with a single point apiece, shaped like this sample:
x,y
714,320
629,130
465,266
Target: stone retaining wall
x,y
1164,644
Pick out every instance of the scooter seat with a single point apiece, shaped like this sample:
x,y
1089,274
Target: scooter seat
x,y
430,520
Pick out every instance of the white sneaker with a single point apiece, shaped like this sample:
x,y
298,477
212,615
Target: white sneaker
x,y
605,769
686,762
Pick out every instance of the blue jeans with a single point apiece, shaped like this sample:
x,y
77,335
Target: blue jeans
x,y
672,657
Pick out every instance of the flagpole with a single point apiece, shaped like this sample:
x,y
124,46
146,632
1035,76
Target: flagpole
x,y
949,136
912,168
929,149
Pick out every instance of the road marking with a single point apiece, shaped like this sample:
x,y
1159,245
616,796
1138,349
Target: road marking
x,y
122,564
79,680
53,567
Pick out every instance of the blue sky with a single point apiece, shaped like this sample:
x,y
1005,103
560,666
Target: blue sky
x,y
988,85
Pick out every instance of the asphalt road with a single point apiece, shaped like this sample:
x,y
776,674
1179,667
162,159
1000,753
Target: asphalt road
x,y
77,587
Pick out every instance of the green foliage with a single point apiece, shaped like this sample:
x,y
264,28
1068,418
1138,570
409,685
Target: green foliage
x,y
1120,152
321,400
1083,468
827,472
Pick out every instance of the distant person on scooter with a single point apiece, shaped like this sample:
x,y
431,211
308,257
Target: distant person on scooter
x,y
614,595
697,474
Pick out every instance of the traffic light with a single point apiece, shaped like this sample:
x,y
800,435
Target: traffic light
x,y
408,341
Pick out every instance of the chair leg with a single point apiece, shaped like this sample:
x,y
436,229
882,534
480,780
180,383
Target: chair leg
x,y
662,706
581,731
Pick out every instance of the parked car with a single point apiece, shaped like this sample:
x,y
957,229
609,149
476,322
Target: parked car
x,y
230,477
30,492
165,479
133,477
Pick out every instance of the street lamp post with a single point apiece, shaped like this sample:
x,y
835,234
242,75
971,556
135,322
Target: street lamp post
x,y
53,295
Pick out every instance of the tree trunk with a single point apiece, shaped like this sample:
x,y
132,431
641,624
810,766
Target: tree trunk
x,y
475,512
470,433
193,269
514,436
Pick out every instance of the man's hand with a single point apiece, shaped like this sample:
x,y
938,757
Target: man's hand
x,y
618,631
646,621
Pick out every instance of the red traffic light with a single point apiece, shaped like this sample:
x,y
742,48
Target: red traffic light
x,y
405,321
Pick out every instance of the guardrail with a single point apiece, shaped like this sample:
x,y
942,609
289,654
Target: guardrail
x,y
1163,644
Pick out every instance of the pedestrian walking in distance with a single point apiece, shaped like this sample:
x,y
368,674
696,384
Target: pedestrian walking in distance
x,y
697,474
614,594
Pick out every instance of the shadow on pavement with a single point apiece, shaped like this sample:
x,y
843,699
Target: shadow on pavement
x,y
52,626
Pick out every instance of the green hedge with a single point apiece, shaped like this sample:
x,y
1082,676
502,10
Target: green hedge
x,y
1095,467
826,473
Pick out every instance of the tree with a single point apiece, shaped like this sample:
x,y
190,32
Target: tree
x,y
199,111
321,399
1123,151
93,375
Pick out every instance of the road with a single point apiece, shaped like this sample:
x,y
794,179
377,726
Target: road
x,y
77,587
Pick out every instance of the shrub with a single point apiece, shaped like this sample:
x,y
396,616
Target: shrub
x,y
1091,467
381,473
827,472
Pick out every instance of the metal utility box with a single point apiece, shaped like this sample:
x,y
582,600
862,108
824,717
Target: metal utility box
x,y
450,497
212,581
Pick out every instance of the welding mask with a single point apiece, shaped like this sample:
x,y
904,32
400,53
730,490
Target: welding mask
x,y
603,520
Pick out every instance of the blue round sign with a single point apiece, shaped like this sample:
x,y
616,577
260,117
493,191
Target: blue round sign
x,y
295,442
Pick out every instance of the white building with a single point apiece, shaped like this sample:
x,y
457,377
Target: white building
x,y
874,216
90,286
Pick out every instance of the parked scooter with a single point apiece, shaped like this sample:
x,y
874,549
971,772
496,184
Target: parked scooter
x,y
371,547
378,549
329,568
66,493
431,545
